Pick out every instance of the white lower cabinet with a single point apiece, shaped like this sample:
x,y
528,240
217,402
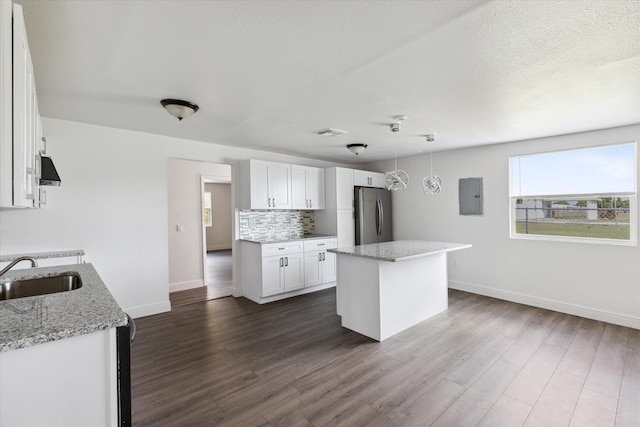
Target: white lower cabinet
x,y
319,265
281,270
282,274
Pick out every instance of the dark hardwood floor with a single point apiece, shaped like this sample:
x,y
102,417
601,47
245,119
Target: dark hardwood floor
x,y
486,362
218,281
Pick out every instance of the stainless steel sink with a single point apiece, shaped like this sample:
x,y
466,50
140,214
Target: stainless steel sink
x,y
22,288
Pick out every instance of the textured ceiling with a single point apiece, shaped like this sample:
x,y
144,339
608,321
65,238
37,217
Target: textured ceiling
x,y
266,74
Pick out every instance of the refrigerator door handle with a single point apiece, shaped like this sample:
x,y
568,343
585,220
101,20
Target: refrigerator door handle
x,y
381,217
377,217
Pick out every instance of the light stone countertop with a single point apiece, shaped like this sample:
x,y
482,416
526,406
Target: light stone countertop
x,y
294,239
400,250
35,320
44,255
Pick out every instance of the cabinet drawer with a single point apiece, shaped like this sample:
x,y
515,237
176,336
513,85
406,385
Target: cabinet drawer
x,y
284,248
319,244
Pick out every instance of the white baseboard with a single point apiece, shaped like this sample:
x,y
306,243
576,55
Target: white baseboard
x,y
183,286
562,307
149,310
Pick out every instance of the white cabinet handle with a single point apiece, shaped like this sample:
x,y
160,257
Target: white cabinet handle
x,y
281,262
319,256
286,261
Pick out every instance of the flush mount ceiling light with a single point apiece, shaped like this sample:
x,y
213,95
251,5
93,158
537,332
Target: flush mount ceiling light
x,y
396,179
330,132
357,148
179,109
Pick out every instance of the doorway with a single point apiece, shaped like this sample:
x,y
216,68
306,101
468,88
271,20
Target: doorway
x,y
186,181
217,232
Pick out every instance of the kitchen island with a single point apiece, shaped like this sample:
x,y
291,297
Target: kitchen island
x,y
385,288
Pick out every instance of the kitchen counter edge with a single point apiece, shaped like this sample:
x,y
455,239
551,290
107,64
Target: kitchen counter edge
x,y
399,250
296,239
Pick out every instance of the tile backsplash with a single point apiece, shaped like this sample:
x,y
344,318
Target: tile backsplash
x,y
274,225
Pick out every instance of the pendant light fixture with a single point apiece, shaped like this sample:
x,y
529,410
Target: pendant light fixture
x,y
179,109
431,184
396,179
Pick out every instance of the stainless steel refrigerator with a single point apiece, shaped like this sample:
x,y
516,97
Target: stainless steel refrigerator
x,y
373,215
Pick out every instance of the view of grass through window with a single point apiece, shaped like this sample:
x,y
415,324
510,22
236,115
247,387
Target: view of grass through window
x,y
583,194
595,217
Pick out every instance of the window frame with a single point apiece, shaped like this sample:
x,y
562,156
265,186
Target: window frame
x,y
633,205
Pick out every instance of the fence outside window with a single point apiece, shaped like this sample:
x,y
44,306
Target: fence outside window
x,y
599,218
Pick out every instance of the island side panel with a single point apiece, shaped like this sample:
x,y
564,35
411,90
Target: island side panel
x,y
411,291
359,294
38,383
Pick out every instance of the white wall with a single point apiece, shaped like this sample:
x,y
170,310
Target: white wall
x,y
596,281
113,204
219,235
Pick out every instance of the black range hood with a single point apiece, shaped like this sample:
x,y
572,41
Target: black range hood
x,y
49,175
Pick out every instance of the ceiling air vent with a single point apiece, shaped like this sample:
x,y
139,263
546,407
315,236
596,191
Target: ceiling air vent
x,y
330,132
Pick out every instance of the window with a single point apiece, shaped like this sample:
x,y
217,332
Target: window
x,y
586,195
208,221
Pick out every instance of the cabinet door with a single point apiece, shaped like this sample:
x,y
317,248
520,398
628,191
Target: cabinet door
x,y
346,228
344,188
312,274
368,179
315,188
299,198
328,266
258,177
6,106
23,110
294,272
280,185
272,282
377,179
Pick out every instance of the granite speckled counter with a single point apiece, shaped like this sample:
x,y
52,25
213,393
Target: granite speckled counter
x,y
400,250
39,319
284,240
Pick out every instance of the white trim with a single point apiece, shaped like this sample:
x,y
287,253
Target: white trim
x,y
149,309
562,307
183,286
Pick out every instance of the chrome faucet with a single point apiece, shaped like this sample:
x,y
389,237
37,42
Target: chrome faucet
x,y
34,263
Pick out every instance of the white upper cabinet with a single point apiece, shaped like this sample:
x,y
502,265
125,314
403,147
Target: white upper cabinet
x,y
344,188
266,185
20,126
6,106
368,179
307,187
